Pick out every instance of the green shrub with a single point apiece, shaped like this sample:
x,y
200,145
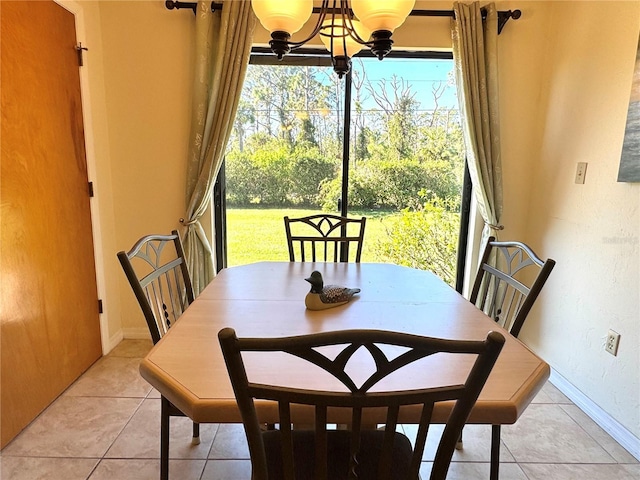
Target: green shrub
x,y
272,175
309,170
241,174
394,184
399,183
426,238
270,172
362,192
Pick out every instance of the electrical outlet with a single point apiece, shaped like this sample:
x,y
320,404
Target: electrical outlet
x,y
581,172
613,339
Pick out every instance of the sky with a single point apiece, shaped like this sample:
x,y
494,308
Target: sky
x,y
420,73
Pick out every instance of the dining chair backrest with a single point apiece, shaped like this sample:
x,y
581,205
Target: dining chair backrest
x,y
158,274
325,238
362,403
508,282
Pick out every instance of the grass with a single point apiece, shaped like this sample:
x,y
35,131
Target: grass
x,y
257,234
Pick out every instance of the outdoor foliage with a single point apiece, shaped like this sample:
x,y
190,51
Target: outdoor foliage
x,y
394,184
286,151
275,175
426,238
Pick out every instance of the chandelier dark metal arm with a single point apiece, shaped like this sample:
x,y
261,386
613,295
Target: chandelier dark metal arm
x,y
340,32
336,27
503,15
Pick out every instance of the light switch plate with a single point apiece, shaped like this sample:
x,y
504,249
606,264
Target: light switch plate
x,y
581,172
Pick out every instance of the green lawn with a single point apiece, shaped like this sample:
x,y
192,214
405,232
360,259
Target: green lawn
x,y
257,234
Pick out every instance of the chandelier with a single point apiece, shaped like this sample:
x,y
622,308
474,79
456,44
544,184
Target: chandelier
x,y
344,26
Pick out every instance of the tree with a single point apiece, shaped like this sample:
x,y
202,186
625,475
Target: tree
x,y
286,101
360,131
245,115
398,104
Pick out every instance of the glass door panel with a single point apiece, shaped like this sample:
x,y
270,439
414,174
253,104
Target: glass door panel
x,y
405,159
286,145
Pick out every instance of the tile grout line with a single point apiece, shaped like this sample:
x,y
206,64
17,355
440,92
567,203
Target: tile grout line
x,y
599,428
591,436
142,399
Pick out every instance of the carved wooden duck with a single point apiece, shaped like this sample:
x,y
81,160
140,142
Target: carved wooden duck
x,y
322,297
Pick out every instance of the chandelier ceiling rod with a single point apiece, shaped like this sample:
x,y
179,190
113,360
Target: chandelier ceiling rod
x,y
503,16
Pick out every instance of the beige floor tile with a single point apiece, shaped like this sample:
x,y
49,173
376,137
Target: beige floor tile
x,y
227,470
74,427
36,468
141,437
542,396
599,435
111,469
132,348
111,377
555,395
476,444
538,471
546,434
475,471
153,393
633,470
230,443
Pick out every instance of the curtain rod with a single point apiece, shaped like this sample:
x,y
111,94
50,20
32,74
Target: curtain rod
x,y
503,16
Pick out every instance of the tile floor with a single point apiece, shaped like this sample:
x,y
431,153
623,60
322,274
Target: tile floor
x,y
106,427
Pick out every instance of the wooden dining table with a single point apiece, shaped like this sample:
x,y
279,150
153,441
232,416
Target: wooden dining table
x,y
267,300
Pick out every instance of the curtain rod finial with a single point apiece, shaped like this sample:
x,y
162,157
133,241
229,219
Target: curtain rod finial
x,y
503,18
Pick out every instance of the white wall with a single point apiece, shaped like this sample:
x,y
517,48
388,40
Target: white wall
x,y
147,55
591,230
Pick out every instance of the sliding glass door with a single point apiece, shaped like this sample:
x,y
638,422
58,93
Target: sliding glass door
x,y
384,142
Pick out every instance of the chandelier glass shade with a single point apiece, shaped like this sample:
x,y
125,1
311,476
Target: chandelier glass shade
x,y
344,27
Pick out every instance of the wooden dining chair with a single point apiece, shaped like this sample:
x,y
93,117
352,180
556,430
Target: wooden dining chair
x,y
509,280
157,272
325,238
361,451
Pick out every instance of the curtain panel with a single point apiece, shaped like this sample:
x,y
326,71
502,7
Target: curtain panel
x,y
223,45
476,69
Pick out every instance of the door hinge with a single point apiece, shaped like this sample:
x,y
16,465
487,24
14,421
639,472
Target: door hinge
x,y
91,189
100,309
79,49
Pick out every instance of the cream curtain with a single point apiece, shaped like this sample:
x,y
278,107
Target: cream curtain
x,y
476,69
223,46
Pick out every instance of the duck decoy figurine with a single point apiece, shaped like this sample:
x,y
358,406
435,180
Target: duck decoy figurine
x,y
324,296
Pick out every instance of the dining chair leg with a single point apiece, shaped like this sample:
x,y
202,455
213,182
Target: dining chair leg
x,y
495,452
164,439
196,434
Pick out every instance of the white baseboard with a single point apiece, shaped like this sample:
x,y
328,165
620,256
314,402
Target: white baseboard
x,y
141,333
129,333
609,424
113,341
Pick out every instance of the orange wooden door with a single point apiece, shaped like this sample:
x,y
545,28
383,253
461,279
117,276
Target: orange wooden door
x,y
49,322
